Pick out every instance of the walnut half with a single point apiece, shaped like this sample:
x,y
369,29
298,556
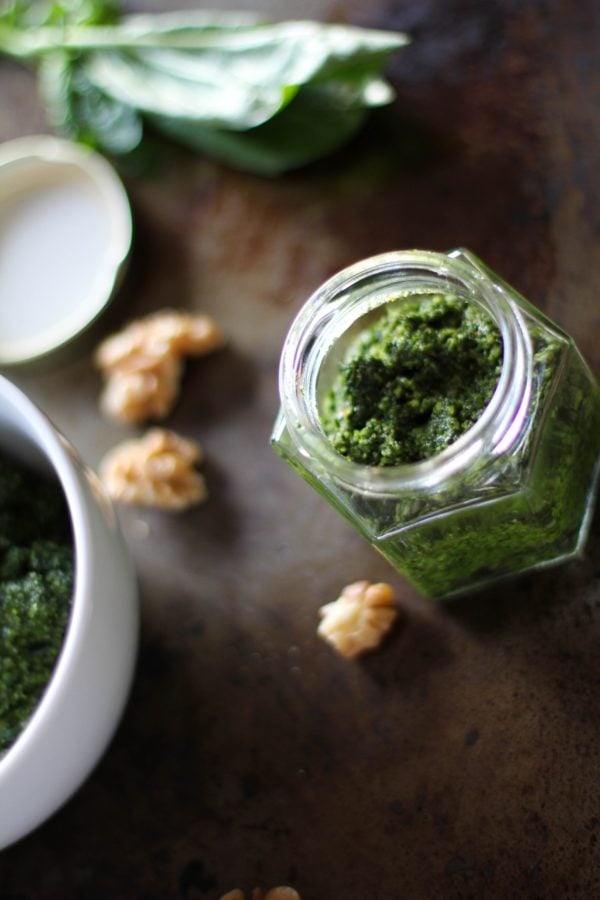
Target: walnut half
x,y
142,365
359,619
157,470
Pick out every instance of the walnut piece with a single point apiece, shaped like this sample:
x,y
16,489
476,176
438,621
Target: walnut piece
x,y
276,893
155,470
359,619
142,365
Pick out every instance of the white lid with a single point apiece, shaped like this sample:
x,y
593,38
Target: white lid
x,y
65,232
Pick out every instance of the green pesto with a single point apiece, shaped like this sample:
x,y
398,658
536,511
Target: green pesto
x,y
413,381
520,507
540,518
36,585
529,510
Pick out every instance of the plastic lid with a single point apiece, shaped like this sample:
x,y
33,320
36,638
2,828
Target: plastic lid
x,y
65,233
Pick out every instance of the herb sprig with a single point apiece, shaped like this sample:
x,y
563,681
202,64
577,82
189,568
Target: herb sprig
x,y
259,96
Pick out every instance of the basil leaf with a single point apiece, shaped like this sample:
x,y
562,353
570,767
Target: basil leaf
x,y
183,85
261,96
78,108
312,125
54,83
43,13
101,119
235,78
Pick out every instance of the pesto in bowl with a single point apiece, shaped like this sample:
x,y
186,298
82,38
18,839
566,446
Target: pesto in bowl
x,y
36,587
93,631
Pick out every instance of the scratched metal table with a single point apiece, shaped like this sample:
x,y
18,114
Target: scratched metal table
x,y
461,759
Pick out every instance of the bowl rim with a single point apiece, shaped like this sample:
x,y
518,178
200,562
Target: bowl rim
x,y
46,153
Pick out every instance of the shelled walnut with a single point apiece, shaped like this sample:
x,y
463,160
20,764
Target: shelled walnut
x,y
359,619
276,893
143,364
156,470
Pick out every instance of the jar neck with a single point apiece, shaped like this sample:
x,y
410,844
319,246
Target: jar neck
x,y
338,306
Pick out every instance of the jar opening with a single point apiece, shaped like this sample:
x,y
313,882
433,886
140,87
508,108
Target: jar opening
x,y
343,307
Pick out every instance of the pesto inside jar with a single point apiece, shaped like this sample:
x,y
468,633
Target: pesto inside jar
x,y
413,381
36,586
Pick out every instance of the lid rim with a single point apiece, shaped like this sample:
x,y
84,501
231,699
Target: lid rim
x,y
44,152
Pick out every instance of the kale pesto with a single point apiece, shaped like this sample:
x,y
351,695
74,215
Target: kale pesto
x,y
414,380
404,384
543,516
36,585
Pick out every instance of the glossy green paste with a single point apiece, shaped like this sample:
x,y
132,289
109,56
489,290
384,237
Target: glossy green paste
x,y
531,508
413,381
36,585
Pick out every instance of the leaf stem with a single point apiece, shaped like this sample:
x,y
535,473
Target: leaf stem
x,y
139,31
21,43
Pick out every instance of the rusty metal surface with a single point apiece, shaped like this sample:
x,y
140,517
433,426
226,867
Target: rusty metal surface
x,y
461,759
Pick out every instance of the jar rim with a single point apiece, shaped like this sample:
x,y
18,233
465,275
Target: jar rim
x,y
312,334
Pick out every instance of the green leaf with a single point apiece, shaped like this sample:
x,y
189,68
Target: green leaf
x,y
104,120
43,13
76,107
260,96
235,77
184,85
314,124
54,83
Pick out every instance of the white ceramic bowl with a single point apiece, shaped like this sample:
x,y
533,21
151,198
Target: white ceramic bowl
x,y
84,699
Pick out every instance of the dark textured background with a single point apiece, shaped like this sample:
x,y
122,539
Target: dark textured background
x,y
461,759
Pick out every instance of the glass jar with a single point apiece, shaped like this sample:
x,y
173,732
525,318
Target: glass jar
x,y
513,493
